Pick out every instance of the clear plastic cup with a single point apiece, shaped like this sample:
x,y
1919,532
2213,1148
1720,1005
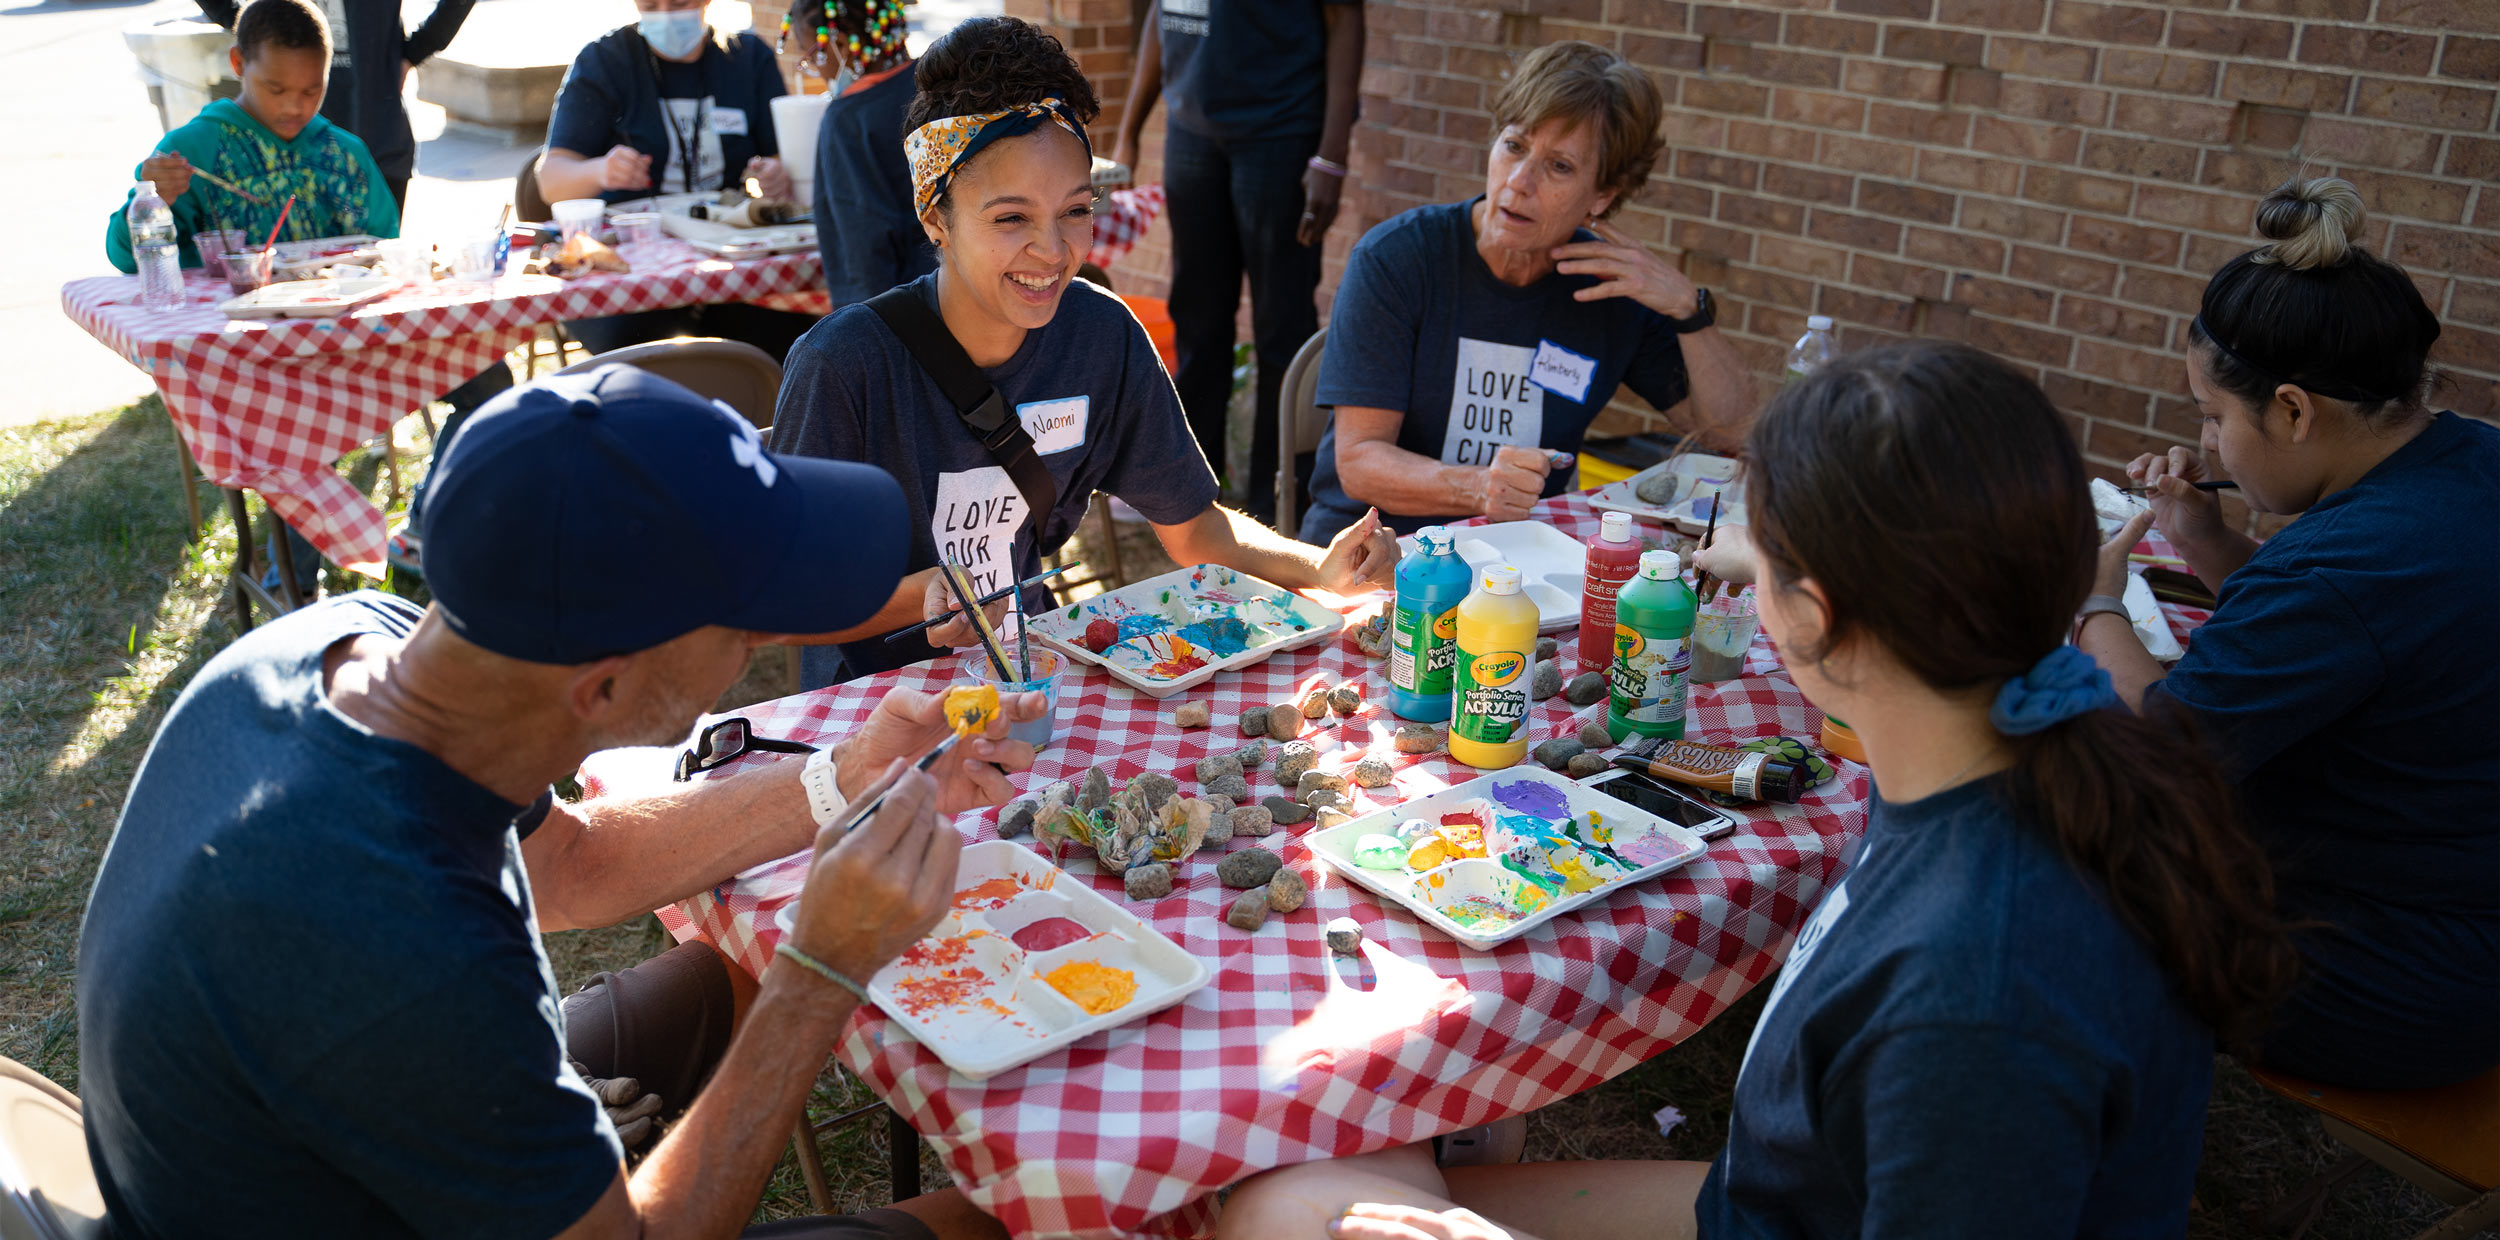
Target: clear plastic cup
x,y
476,260
247,270
1722,633
636,227
1047,668
574,215
407,259
214,245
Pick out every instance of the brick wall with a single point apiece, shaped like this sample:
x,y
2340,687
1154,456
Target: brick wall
x,y
2051,180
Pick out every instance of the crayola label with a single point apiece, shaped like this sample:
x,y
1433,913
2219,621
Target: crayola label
x,y
1423,648
1492,692
1649,678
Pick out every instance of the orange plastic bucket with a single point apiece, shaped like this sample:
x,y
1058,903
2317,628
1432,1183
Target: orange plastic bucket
x,y
1156,316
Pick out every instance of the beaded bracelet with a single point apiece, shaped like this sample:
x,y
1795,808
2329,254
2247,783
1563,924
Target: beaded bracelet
x,y
1330,167
820,969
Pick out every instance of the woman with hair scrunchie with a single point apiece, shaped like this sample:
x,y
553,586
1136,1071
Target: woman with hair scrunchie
x,y
1002,183
2347,677
2002,1022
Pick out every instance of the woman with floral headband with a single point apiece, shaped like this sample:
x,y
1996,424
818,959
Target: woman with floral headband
x,y
1002,188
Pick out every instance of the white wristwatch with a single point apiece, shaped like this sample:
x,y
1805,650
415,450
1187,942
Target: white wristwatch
x,y
824,792
2099,603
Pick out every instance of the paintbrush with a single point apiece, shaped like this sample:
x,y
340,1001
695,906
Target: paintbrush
x,y
986,599
1024,646
273,229
961,583
1703,587
220,182
851,822
2223,484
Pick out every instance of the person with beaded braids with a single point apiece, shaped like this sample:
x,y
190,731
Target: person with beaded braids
x,y
2347,676
1002,172
2002,1021
865,228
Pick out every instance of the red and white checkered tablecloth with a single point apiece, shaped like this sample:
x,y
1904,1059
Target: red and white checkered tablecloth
x,y
273,404
1284,1058
1125,216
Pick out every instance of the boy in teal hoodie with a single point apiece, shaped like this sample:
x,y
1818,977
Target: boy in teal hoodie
x,y
269,141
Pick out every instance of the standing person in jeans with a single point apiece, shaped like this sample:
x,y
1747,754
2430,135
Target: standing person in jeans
x,y
1254,151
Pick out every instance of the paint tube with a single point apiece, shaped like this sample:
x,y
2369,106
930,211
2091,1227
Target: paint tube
x,y
1740,773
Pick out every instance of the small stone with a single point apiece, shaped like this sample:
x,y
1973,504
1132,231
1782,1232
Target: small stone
x,y
1547,648
1333,815
1317,781
1284,722
1219,806
1548,680
1584,765
1252,756
1418,738
1314,703
1346,700
1593,735
1374,773
1157,787
1250,867
1249,910
1285,811
1345,936
1556,754
1194,715
1254,721
1097,791
1219,826
1230,787
1324,798
1287,891
1295,758
1212,769
1149,882
1252,820
1016,819
1585,689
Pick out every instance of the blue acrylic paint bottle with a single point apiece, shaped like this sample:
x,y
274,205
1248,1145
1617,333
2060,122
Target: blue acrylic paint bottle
x,y
1423,633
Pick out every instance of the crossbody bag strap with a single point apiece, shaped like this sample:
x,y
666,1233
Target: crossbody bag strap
x,y
976,401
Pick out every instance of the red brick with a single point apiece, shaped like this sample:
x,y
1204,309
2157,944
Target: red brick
x,y
2478,16
2209,253
2424,103
1419,54
1884,314
1858,153
2474,302
2076,189
1717,169
2439,202
1648,14
1971,172
1764,214
2006,219
1907,202
1823,111
2140,157
1940,320
2018,301
2105,23
2162,290
2231,36
2477,158
1756,285
1448,92
1934,126
1891,81
2267,128
1954,249
2013,340
2394,147
2452,251
1729,21
1656,53
2305,89
2054,144
1686,234
2177,417
2120,444
2143,70
1820,262
1951,47
2073,105
2093,235
2173,118
1809,184
1899,279
2338,10
2090,317
2062,270
1734,98
2076,394
2476,60
1972,87
1919,10
2133,367
1695,129
1831,34
2487,213
2355,47
1794,68
1772,141
2189,208
1860,232
2024,15
2037,58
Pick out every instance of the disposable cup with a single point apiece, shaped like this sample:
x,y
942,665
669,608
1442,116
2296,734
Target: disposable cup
x,y
574,215
1048,669
1722,632
247,270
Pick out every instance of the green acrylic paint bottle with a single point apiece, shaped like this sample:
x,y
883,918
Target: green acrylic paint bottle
x,y
1653,651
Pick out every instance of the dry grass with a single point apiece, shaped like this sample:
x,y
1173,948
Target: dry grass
x,y
106,612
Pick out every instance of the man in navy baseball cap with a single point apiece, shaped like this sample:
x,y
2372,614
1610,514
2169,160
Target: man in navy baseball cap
x,y
342,848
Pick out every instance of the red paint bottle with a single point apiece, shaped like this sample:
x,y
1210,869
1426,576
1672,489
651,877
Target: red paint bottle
x,y
1614,557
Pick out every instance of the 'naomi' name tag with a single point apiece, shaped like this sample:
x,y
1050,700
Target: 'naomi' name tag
x,y
1562,372
729,121
1055,425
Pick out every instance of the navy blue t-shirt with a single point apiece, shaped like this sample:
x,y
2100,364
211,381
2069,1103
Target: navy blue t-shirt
x,y
311,995
1091,393
2349,680
865,230
1965,1042
1421,326
1269,78
717,108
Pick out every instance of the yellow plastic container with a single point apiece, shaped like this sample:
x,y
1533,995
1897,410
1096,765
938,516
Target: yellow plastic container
x,y
1496,666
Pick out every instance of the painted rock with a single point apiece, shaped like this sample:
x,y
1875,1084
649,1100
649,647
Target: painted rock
x,y
1285,811
1548,680
1314,703
1251,756
1286,891
1252,820
1254,721
1231,787
1249,910
1149,882
1583,765
1379,852
1593,735
1250,867
1096,793
1556,754
1212,769
1547,647
1585,689
1374,772
1284,722
1157,787
1292,760
1333,815
1345,936
1317,781
1016,819
1346,700
1418,738
1193,715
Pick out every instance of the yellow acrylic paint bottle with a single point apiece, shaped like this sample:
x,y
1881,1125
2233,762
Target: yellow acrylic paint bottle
x,y
1496,654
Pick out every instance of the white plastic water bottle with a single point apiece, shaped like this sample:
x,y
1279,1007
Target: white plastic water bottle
x,y
1812,350
153,245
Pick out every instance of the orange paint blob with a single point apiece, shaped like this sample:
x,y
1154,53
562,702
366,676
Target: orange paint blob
x,y
1093,986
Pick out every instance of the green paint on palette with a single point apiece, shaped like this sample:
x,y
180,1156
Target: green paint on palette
x,y
1074,611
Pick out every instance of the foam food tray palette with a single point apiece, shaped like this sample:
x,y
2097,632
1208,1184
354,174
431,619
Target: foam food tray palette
x,y
1550,563
1697,477
984,991
1492,858
1176,631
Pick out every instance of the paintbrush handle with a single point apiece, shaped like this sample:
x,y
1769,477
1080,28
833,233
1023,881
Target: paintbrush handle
x,y
851,821
986,600
2219,484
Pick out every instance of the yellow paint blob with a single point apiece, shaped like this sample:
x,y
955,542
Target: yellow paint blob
x,y
971,707
1093,986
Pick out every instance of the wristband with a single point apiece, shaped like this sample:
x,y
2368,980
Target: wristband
x,y
824,792
2099,603
820,969
1330,167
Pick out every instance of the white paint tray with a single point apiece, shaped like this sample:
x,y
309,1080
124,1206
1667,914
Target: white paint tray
x,y
1698,476
307,299
1550,564
1192,605
970,994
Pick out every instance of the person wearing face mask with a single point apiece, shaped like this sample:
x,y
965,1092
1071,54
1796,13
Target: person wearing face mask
x,y
1002,184
668,105
1471,342
2347,676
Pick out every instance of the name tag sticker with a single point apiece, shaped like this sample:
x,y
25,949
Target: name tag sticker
x,y
1562,372
1055,425
729,121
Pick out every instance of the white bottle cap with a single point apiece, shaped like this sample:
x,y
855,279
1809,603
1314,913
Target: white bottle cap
x,y
1659,565
1501,579
1818,322
1615,527
1435,540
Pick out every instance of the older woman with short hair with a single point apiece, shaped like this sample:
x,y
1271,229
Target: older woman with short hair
x,y
1472,341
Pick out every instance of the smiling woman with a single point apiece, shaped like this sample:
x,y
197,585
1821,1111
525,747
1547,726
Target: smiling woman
x,y
1001,169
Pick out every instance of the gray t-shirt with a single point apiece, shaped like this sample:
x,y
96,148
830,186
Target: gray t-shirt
x,y
1087,386
311,995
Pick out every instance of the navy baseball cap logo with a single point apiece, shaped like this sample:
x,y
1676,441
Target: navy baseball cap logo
x,y
597,514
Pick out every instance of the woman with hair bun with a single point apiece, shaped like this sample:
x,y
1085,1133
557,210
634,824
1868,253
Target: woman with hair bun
x,y
1002,183
2350,676
2002,1022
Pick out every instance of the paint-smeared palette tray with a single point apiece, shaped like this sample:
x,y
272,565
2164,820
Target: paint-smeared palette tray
x,y
985,989
1550,564
1687,485
307,299
1176,631
1501,854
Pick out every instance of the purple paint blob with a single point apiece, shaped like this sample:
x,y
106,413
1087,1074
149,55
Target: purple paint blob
x,y
1541,800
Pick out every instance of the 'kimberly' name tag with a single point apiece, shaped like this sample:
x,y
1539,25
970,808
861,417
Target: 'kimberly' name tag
x,y
1562,372
729,122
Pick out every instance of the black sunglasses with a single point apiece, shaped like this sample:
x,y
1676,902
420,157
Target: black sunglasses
x,y
726,741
